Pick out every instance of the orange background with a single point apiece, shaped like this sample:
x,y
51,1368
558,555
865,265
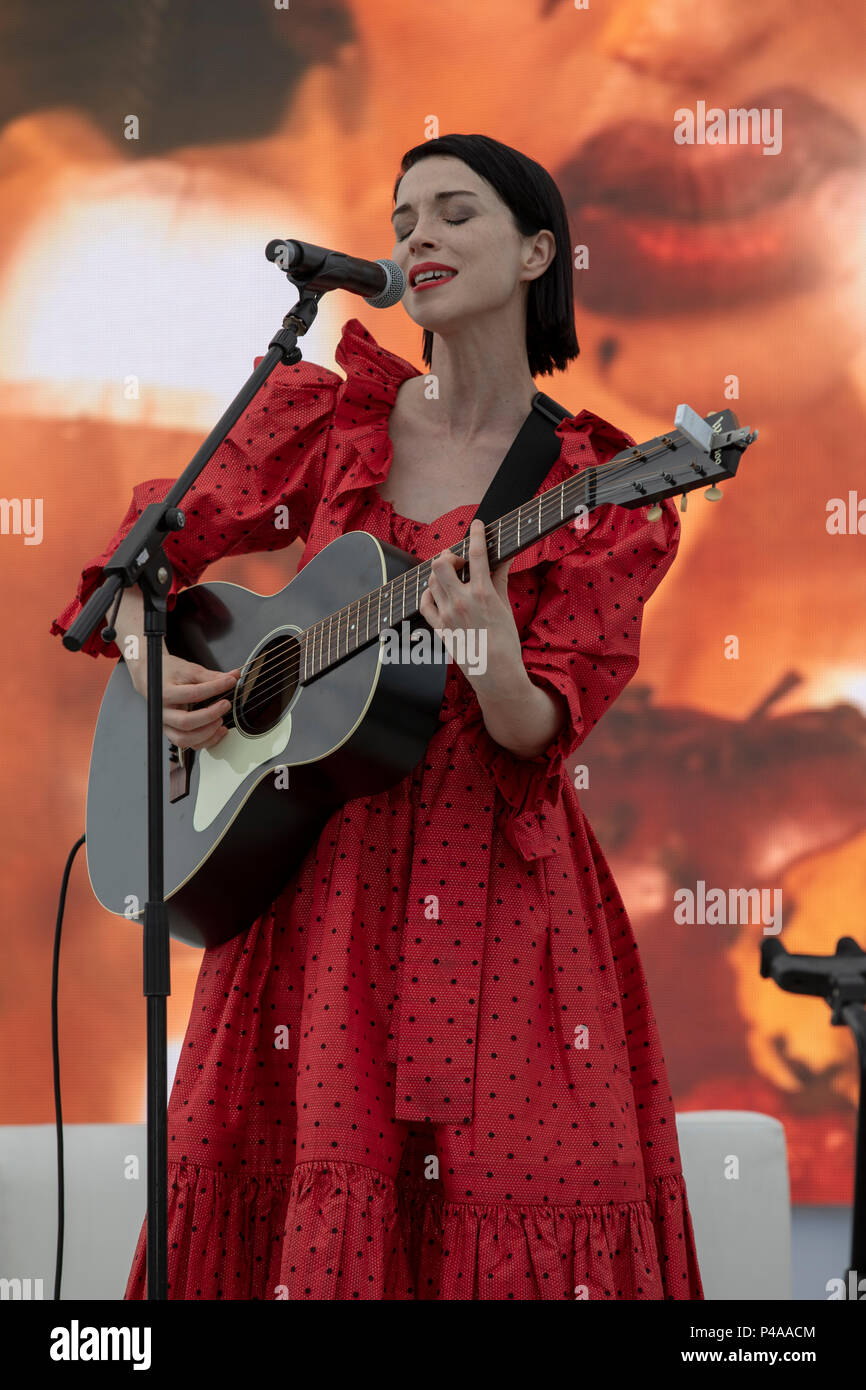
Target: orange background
x,y
135,295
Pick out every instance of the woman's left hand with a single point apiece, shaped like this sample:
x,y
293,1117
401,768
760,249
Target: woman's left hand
x,y
474,619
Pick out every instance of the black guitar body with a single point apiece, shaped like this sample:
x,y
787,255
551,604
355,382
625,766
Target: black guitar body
x,y
353,730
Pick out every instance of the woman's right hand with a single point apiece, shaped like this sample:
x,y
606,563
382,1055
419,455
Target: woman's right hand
x,y
185,683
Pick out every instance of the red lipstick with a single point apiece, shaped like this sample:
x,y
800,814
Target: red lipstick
x,y
426,268
690,228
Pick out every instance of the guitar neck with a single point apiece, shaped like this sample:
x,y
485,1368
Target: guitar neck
x,y
340,634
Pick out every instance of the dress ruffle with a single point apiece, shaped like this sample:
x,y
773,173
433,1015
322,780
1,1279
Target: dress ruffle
x,y
364,403
343,1231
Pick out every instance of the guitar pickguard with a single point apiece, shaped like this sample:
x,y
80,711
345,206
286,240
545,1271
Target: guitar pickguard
x,y
223,769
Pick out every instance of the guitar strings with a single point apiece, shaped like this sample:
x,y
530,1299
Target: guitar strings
x,y
281,669
278,669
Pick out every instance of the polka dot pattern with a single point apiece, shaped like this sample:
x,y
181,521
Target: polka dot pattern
x,y
431,1070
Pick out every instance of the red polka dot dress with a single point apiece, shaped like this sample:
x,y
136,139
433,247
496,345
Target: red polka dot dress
x,y
431,1070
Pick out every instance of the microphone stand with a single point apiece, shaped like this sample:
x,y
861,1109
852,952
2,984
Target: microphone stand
x,y
840,980
140,559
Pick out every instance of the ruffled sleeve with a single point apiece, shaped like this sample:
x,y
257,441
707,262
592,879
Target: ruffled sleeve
x,y
582,643
374,376
272,458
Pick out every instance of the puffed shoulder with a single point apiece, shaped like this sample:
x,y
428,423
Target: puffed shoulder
x,y
362,409
373,377
372,380
307,377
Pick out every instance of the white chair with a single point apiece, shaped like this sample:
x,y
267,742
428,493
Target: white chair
x,y
104,1207
742,1225
735,1164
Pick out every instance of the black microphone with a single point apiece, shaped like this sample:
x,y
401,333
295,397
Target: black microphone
x,y
380,283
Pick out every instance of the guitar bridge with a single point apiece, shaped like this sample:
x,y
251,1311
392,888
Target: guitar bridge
x,y
180,768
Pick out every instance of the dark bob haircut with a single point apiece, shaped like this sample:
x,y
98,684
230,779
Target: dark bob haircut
x,y
535,202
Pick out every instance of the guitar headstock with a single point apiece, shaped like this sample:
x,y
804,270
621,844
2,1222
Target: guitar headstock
x,y
677,462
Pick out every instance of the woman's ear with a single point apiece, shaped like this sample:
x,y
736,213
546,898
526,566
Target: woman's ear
x,y
539,252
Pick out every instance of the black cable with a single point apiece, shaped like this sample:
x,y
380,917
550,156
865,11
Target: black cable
x,y
55,1057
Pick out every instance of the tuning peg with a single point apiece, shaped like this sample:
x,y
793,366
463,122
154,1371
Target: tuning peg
x,y
714,494
684,501
654,512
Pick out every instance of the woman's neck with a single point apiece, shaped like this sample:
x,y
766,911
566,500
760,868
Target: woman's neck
x,y
483,383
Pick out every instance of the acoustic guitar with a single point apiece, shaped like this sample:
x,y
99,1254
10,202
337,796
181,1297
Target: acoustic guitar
x,y
319,715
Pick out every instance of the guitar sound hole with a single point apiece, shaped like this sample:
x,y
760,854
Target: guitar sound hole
x,y
267,684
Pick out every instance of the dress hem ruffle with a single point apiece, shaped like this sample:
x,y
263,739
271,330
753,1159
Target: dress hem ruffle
x,y
340,1231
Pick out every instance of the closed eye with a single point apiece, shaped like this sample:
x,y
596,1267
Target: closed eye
x,y
452,222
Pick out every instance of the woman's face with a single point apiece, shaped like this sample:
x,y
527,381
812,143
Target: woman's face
x,y
448,216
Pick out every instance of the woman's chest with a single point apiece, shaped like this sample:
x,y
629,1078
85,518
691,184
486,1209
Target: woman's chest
x,y
427,479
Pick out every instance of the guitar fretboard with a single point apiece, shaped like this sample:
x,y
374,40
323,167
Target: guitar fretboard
x,y
340,634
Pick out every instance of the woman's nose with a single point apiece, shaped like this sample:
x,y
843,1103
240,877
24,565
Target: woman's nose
x,y
417,240
684,40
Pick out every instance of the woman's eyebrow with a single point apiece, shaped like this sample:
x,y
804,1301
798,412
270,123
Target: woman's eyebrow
x,y
440,197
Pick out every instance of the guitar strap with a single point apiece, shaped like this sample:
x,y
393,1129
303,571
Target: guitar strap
x,y
528,461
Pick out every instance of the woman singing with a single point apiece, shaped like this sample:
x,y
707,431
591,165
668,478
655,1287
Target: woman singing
x,y
431,1069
